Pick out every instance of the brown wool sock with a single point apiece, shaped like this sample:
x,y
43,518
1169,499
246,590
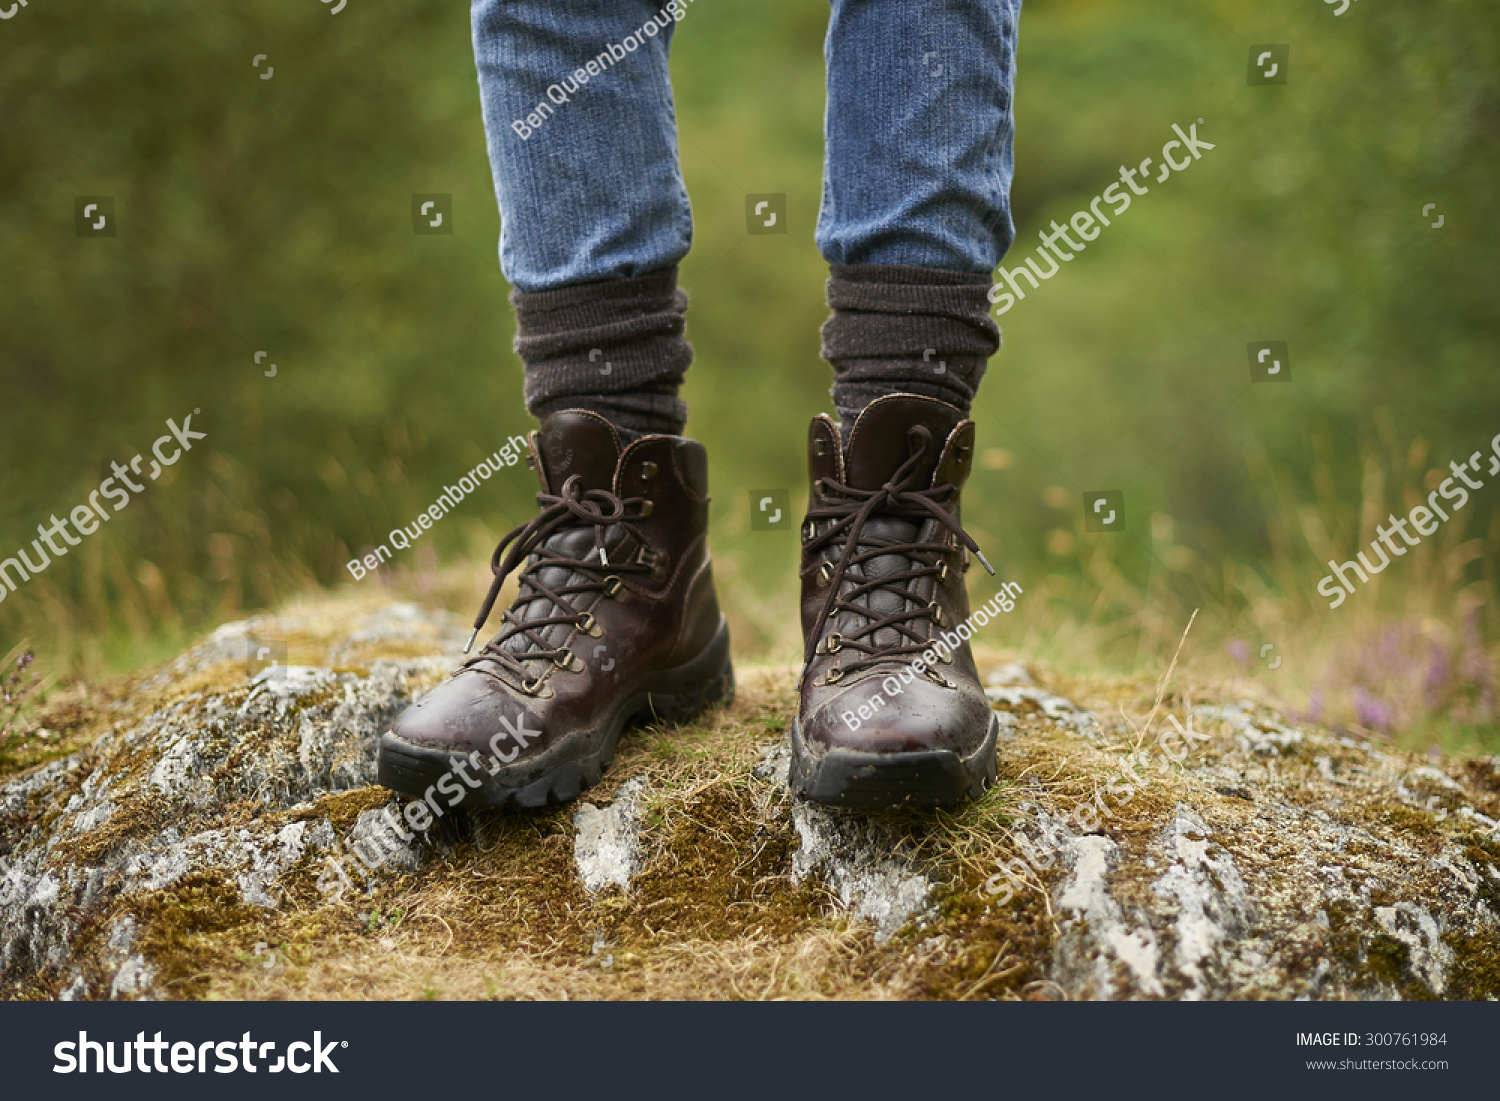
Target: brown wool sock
x,y
615,347
899,329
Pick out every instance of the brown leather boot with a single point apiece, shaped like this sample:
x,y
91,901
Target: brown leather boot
x,y
883,561
616,619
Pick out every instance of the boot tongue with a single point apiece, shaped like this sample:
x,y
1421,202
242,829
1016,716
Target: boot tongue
x,y
577,441
878,445
879,442
573,442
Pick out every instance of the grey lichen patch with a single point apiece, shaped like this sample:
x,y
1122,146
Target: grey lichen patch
x,y
1427,957
380,841
1274,861
861,861
132,972
607,846
855,859
1023,699
404,630
1213,906
220,782
1259,734
1100,954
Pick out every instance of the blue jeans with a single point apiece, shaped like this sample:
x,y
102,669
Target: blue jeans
x,y
582,135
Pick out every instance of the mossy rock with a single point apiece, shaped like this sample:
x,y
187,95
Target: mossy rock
x,y
178,846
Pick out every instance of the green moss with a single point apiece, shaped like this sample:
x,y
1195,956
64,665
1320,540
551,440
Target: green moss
x,y
1387,960
1476,968
1407,820
995,951
134,817
719,875
1383,959
186,928
343,808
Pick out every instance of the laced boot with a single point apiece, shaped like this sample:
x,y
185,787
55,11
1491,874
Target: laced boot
x,y
878,725
615,620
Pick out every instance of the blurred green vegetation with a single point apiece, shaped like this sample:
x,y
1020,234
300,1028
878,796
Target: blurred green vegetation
x,y
274,215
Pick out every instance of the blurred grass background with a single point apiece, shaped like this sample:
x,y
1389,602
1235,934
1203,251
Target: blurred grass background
x,y
274,215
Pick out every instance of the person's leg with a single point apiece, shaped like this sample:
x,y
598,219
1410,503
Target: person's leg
x,y
916,193
915,217
582,141
615,614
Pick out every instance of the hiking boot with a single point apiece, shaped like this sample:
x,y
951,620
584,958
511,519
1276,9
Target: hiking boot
x,y
883,560
615,620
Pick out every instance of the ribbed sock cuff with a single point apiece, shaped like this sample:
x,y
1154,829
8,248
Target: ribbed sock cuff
x,y
899,329
614,346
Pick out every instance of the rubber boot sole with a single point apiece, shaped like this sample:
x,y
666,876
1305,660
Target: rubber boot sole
x,y
890,781
574,762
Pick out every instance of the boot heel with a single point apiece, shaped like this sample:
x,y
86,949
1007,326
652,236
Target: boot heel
x,y
686,706
682,694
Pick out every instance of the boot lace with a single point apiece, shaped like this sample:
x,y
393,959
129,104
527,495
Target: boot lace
x,y
850,509
572,508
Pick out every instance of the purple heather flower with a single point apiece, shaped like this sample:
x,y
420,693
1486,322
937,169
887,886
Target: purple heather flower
x,y
1370,711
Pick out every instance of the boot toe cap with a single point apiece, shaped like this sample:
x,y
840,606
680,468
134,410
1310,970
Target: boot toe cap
x,y
460,715
921,718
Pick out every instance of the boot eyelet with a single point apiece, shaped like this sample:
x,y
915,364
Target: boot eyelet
x,y
613,587
825,573
936,611
834,675
647,508
833,643
533,686
809,530
588,625
820,446
648,469
656,559
565,660
942,572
